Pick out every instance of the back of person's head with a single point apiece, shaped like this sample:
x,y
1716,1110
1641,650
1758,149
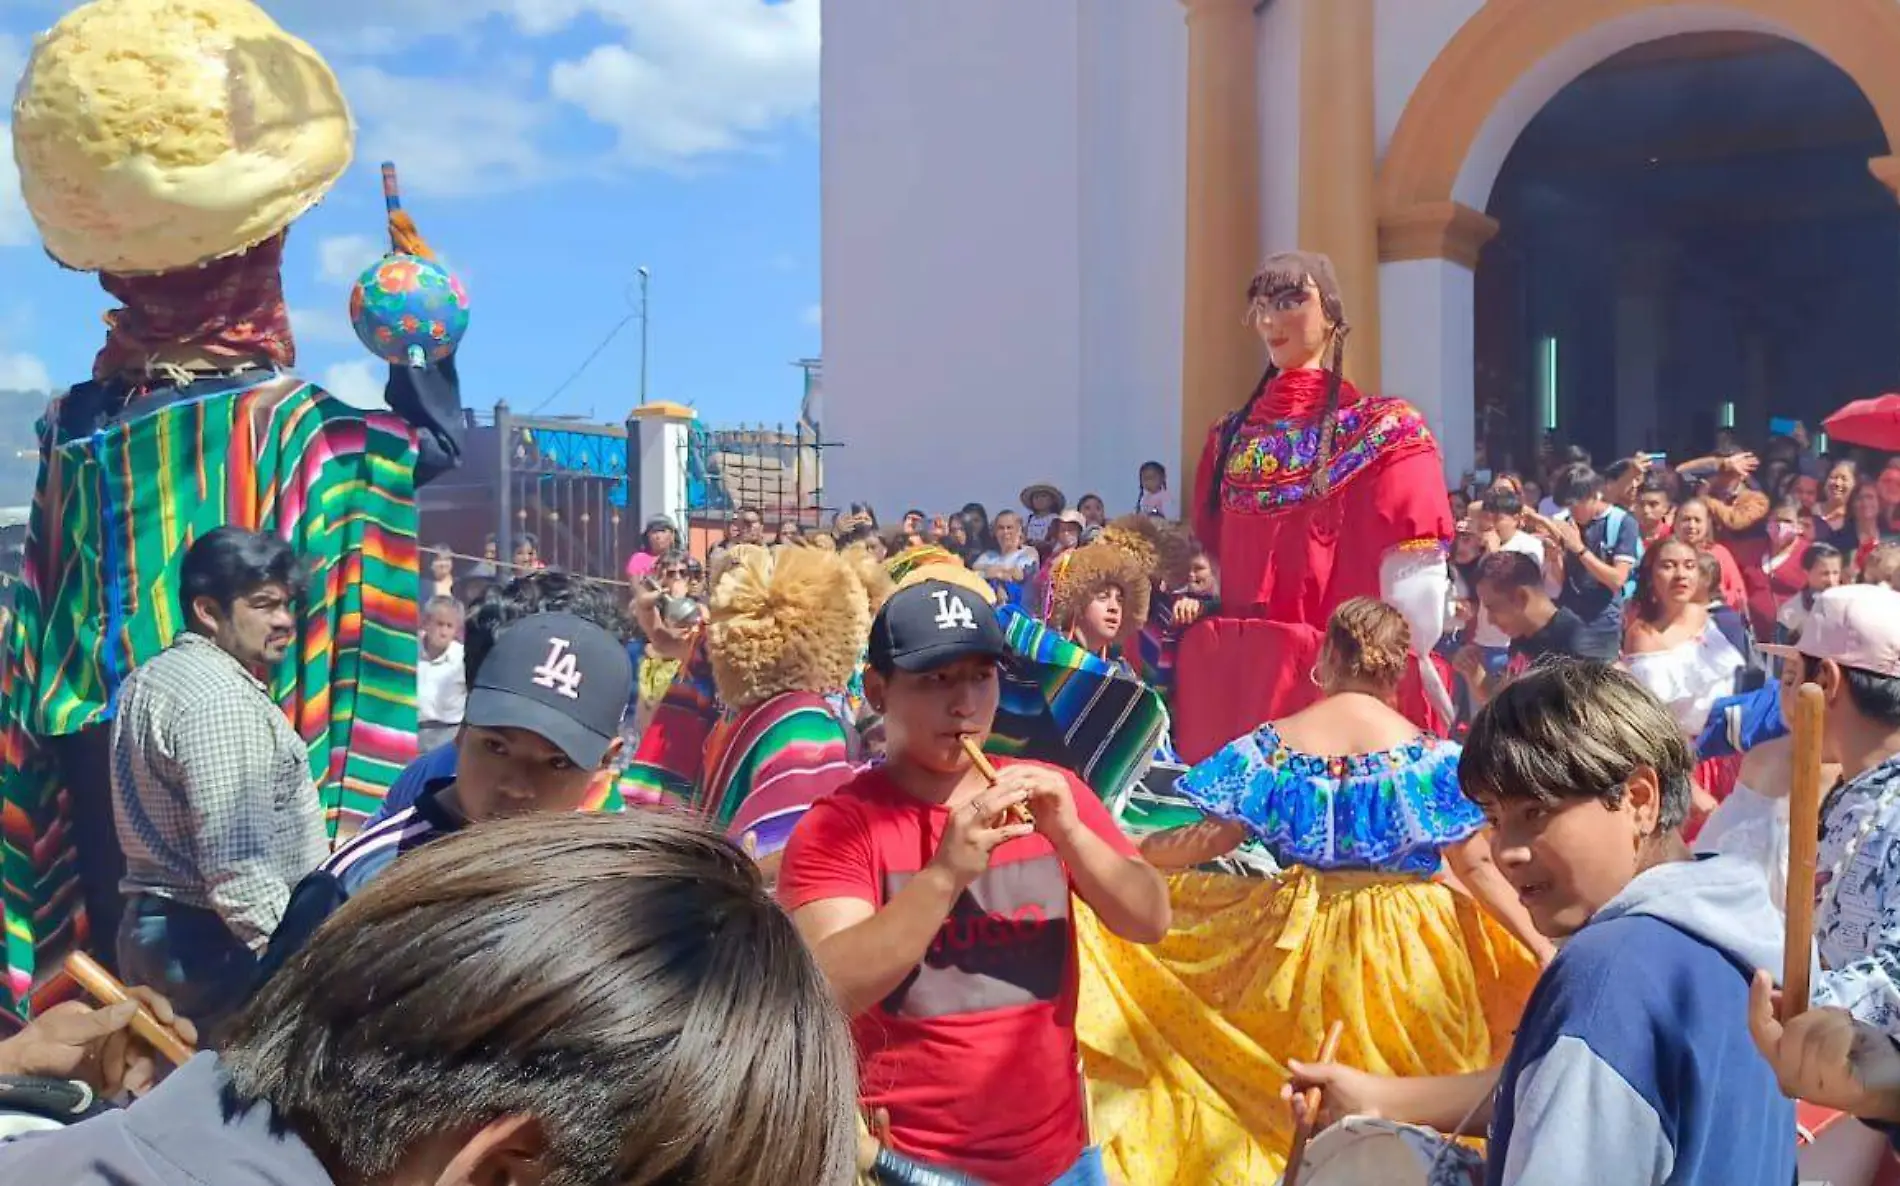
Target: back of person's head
x,y
1576,729
227,563
1576,483
624,983
1510,570
1367,641
1882,565
1709,569
543,591
1502,501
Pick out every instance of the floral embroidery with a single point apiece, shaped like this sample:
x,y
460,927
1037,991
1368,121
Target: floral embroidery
x,y
1391,810
1271,466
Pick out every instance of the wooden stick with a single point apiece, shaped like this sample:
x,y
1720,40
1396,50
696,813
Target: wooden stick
x,y
1303,1126
1018,811
105,988
1804,836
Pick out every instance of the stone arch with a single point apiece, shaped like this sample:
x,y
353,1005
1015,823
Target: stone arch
x,y
1513,56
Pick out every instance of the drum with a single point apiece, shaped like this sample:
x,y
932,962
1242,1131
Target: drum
x,y
1838,1151
1362,1151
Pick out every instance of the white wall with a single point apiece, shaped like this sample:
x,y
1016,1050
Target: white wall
x,y
1134,239
951,173
1428,337
1408,36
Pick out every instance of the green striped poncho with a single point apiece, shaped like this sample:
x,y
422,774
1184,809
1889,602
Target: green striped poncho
x,y
114,512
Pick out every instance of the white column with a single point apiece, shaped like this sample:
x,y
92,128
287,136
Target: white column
x,y
1428,339
665,434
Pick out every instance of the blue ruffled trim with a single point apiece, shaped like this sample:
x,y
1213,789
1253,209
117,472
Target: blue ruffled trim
x,y
1392,810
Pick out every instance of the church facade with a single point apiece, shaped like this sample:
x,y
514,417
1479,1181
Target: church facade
x,y
1040,218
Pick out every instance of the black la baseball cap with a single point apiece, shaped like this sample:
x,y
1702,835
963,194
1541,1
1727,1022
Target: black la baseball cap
x,y
557,675
932,624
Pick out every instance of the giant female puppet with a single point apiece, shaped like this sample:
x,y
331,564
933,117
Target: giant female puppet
x,y
1310,494
168,145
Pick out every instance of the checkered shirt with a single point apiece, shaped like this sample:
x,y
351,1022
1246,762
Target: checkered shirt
x,y
211,789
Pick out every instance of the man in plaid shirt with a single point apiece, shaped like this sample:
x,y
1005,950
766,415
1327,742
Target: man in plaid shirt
x,y
211,787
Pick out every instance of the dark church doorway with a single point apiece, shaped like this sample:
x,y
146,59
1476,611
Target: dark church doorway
x,y
1690,241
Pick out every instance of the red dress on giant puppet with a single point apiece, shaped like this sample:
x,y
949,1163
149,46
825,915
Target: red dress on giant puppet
x,y
1310,494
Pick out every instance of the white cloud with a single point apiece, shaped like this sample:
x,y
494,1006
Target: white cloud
x,y
695,77
342,258
815,316
450,136
323,325
23,372
16,226
359,383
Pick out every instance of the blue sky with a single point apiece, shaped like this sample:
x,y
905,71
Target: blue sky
x,y
547,148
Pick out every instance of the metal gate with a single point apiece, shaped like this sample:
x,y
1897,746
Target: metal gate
x,y
565,483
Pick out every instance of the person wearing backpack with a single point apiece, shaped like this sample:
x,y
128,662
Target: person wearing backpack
x,y
1597,547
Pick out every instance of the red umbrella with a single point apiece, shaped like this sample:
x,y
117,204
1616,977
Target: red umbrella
x,y
1871,423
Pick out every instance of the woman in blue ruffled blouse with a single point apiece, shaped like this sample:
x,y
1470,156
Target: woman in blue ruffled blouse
x,y
1365,815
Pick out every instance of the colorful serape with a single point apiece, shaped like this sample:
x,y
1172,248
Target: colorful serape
x,y
1069,708
669,761
767,766
114,511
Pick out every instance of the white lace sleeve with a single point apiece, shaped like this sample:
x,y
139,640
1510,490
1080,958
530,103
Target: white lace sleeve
x,y
1415,580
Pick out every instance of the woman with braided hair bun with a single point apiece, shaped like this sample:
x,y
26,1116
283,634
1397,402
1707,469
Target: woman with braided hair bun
x,y
1185,1042
1311,493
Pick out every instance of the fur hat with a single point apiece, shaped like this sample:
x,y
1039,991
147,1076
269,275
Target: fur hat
x,y
1164,550
793,620
1076,576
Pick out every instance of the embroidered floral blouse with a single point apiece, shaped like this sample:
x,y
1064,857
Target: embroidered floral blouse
x,y
1393,810
1292,557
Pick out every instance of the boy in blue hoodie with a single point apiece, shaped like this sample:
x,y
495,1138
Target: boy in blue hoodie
x,y
1632,1064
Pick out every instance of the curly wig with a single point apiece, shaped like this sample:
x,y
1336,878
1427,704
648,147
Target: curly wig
x,y
794,620
1079,574
1163,550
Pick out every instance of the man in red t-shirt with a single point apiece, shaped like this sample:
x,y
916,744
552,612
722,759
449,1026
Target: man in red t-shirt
x,y
943,922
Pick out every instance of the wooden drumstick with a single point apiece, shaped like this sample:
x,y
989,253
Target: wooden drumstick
x,y
1303,1126
106,989
1804,837
1018,811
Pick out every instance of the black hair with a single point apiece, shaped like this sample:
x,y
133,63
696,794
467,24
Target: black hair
x,y
1655,483
1156,466
1876,697
1616,470
546,591
1510,570
227,563
1818,552
1573,729
1502,502
1574,483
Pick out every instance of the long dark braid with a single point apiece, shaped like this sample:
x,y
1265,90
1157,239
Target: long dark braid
x,y
1329,420
1230,431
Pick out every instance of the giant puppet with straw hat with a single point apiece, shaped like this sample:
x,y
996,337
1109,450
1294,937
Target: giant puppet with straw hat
x,y
167,145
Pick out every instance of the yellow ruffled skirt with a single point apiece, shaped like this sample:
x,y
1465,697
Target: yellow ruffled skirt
x,y
1184,1043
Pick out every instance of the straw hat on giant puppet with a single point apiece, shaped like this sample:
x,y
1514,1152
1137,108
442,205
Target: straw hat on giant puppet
x,y
155,136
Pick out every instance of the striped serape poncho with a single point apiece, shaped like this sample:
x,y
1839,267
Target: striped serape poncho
x,y
117,505
1064,706
766,766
